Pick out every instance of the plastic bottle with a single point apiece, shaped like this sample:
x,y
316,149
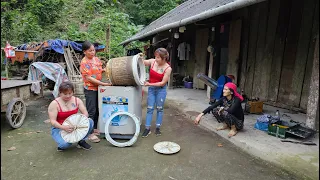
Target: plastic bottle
x,y
269,117
277,114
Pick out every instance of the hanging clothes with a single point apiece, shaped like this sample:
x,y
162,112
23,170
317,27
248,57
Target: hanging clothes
x,y
184,51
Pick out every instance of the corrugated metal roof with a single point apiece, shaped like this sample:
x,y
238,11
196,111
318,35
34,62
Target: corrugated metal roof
x,y
189,12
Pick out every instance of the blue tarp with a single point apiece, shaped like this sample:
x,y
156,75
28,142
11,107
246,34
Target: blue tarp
x,y
58,44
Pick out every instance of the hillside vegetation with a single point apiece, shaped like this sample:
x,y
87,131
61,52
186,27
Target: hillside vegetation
x,y
24,21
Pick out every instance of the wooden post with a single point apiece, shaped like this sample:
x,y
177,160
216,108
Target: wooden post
x,y
211,60
313,100
124,51
172,57
210,73
108,39
7,69
6,66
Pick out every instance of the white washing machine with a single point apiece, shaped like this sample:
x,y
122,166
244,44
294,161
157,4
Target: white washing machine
x,y
119,98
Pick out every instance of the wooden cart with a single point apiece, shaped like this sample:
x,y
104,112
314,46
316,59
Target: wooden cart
x,y
13,94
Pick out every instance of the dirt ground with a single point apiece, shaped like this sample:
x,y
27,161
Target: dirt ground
x,y
35,156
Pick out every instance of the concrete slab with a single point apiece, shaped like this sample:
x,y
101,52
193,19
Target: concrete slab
x,y
290,156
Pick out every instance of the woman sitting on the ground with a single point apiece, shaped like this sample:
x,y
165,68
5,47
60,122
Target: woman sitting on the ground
x,y
229,112
60,109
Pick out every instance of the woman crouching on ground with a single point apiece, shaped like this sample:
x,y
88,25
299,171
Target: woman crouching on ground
x,y
160,72
60,109
230,112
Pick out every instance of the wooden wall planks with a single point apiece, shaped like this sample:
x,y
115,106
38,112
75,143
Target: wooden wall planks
x,y
259,68
277,45
290,51
267,69
306,82
234,48
253,37
302,52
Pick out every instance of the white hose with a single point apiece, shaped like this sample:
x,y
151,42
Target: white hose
x,y
135,136
137,60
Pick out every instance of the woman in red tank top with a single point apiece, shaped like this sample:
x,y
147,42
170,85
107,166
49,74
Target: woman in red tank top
x,y
60,109
160,71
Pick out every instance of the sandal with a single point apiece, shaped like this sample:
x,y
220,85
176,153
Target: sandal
x,y
93,138
96,132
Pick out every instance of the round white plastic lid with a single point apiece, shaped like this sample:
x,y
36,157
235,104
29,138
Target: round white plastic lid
x,y
166,147
81,128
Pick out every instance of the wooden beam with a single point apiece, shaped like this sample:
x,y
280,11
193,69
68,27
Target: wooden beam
x,y
210,73
172,57
108,39
26,51
7,68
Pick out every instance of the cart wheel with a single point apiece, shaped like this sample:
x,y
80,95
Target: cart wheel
x,y
16,112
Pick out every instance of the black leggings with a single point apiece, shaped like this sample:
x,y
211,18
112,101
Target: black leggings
x,y
92,106
228,118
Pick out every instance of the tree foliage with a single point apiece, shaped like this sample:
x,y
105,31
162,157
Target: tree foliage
x,y
24,21
143,12
39,20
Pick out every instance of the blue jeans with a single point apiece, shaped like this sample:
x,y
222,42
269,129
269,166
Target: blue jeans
x,y
55,133
156,98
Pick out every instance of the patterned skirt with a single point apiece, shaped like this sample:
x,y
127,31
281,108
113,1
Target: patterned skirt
x,y
228,118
